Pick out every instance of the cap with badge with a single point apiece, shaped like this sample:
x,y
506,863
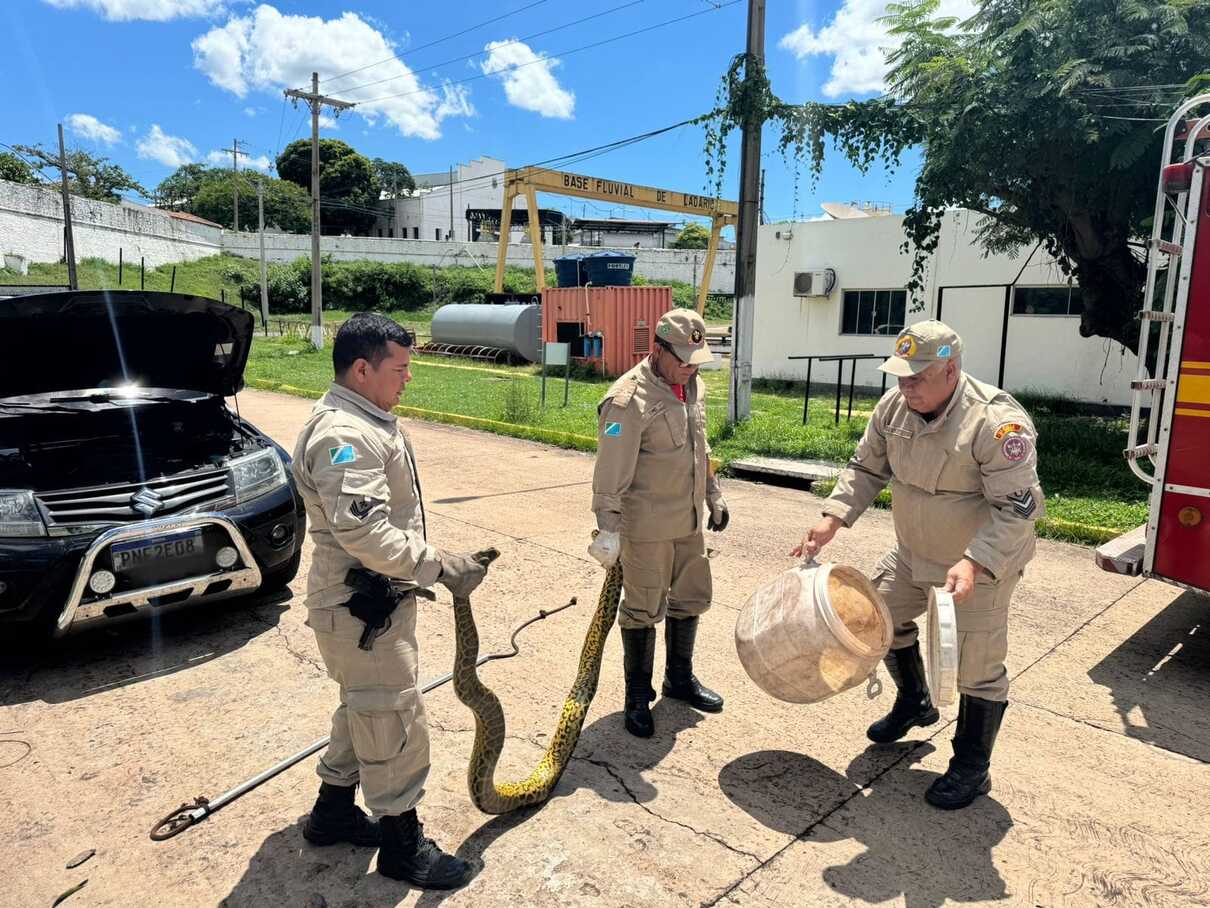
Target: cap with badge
x,y
685,332
920,345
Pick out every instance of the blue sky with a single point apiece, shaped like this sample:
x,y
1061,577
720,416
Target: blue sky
x,y
156,83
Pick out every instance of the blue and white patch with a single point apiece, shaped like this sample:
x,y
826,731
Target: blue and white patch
x,y
613,429
342,454
943,351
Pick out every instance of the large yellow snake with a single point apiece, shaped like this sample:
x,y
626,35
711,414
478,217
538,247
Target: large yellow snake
x,y
488,795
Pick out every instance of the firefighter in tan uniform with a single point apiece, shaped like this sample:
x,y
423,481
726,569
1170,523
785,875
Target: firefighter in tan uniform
x,y
652,477
961,459
357,475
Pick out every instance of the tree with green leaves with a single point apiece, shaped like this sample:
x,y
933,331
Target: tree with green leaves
x,y
179,189
88,175
348,186
1044,116
287,206
15,169
692,236
394,179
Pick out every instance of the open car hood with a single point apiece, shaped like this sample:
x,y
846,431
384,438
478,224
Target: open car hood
x,y
112,338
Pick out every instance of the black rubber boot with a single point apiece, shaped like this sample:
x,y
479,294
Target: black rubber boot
x,y
679,681
967,776
408,854
913,706
335,818
638,652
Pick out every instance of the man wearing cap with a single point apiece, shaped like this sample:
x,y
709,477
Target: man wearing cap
x,y
961,459
652,476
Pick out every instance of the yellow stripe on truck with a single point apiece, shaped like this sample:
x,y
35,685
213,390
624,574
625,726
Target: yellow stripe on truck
x,y
1193,389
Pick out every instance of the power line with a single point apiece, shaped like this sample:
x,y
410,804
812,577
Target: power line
x,y
565,53
523,39
414,50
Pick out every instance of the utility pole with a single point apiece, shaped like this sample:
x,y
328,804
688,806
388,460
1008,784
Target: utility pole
x,y
235,153
739,402
316,102
69,246
264,270
451,236
762,195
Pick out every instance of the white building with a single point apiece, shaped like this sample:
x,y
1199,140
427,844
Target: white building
x,y
427,213
1018,315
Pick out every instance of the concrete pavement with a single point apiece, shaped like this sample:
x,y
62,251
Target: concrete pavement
x,y
1101,793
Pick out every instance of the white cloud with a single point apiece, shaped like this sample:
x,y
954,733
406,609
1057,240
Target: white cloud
x,y
858,43
529,81
152,10
267,51
90,127
326,122
251,111
171,151
222,158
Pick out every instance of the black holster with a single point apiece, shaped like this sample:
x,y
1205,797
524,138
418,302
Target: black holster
x,y
373,601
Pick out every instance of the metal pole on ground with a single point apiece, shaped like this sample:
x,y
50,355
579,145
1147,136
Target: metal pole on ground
x,y
264,271
172,284
119,266
142,272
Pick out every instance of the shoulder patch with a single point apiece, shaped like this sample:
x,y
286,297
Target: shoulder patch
x,y
613,429
342,454
1016,448
1009,428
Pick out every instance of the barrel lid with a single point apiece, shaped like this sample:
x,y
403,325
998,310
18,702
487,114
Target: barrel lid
x,y
942,663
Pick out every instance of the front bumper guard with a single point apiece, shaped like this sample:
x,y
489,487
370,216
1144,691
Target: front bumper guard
x,y
238,580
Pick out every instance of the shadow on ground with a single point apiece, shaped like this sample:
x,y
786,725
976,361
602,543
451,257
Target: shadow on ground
x,y
1159,678
145,647
927,856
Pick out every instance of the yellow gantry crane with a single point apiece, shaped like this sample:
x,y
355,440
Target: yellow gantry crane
x,y
529,181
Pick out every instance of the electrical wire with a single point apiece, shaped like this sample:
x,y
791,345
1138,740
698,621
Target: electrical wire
x,y
566,53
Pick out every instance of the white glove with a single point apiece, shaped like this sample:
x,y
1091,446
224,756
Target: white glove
x,y
606,547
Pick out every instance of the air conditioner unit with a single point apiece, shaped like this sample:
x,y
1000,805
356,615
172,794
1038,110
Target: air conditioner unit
x,y
814,283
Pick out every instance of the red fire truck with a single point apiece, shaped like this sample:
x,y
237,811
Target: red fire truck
x,y
1172,452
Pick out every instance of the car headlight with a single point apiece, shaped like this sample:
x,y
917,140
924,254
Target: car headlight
x,y
19,514
256,474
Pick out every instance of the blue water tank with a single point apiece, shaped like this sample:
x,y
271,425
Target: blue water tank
x,y
608,269
568,271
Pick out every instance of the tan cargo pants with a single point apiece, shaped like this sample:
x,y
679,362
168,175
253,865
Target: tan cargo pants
x,y
982,623
664,578
379,734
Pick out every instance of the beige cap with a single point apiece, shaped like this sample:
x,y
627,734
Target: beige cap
x,y
920,345
685,332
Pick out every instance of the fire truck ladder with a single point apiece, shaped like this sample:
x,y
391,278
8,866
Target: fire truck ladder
x,y
1168,311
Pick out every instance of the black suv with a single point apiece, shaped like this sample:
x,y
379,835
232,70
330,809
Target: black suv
x,y
126,482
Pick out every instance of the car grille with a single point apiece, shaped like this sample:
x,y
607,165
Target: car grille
x,y
135,501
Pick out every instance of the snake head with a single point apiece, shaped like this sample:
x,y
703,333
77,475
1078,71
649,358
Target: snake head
x,y
486,556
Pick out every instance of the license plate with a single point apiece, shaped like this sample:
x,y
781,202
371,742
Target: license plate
x,y
157,550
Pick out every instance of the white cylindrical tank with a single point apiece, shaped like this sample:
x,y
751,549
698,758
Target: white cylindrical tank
x,y
512,327
815,631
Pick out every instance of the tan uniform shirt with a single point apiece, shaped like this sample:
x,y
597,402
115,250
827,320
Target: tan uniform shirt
x,y
357,476
652,468
964,484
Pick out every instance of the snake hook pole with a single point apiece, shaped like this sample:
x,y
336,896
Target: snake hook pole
x,y
190,814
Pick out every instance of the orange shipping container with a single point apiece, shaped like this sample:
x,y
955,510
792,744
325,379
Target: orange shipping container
x,y
622,317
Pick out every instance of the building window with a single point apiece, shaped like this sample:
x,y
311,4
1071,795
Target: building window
x,y
415,233
1047,301
873,311
438,234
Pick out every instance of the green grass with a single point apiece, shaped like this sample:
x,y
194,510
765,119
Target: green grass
x,y
1091,496
211,276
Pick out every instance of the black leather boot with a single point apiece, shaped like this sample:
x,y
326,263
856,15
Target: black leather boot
x,y
638,653
967,776
679,682
408,854
335,818
913,706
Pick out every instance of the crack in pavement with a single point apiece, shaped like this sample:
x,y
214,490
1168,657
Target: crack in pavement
x,y
300,657
616,776
1120,734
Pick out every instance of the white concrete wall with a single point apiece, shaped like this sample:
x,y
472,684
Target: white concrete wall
x,y
653,264
1042,353
31,225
